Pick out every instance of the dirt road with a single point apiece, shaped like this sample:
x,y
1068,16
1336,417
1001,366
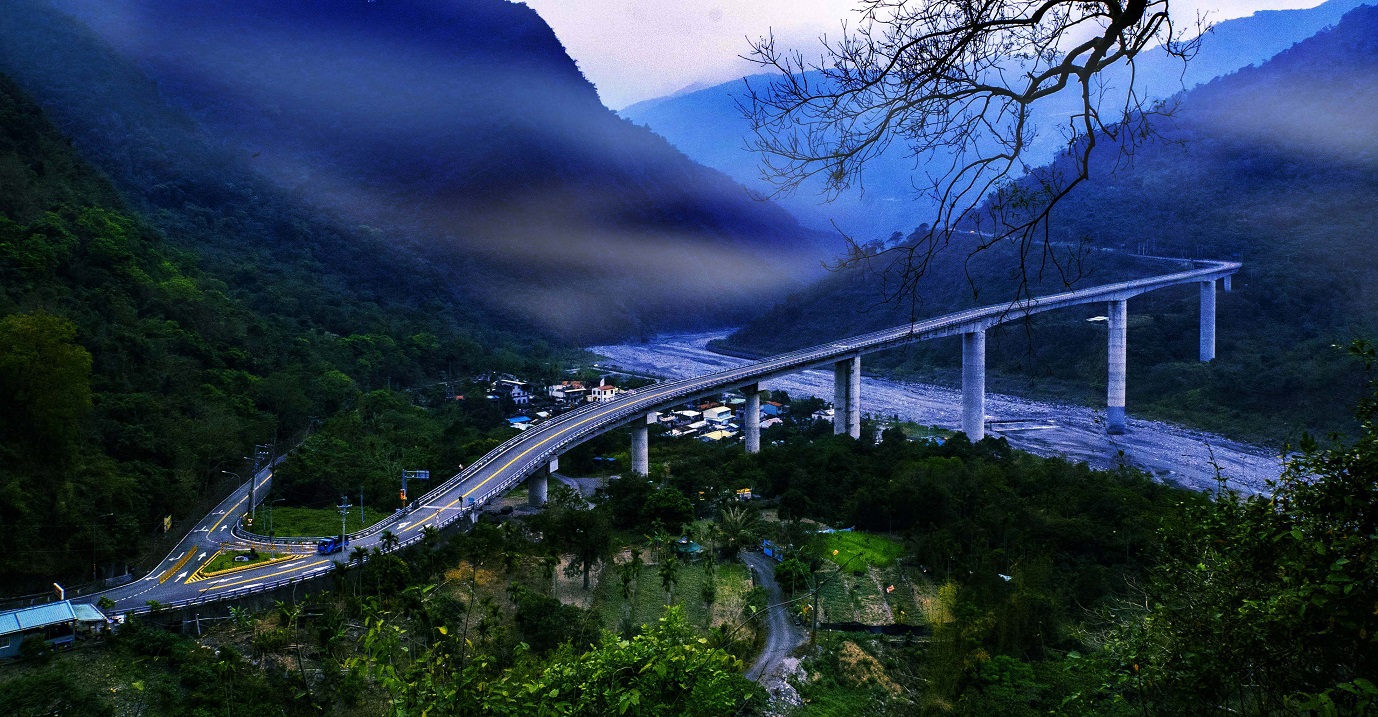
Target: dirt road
x,y
774,664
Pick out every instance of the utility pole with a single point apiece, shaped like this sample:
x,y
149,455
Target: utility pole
x,y
344,507
362,521
262,452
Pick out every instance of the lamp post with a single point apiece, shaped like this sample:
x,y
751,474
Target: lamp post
x,y
251,493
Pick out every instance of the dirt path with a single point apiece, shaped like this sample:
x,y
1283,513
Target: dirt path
x,y
774,664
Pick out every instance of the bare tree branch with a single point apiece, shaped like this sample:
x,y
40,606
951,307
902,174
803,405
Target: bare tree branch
x,y
955,81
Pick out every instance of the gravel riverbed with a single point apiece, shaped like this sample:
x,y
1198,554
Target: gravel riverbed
x,y
1176,455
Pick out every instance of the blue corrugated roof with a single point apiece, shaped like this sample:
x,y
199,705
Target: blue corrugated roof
x,y
32,618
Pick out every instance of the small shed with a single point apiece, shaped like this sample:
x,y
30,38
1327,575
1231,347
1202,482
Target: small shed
x,y
55,622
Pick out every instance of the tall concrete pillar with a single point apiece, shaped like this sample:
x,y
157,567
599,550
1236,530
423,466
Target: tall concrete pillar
x,y
974,384
841,381
1119,337
1208,320
751,418
854,398
1227,282
536,488
641,448
538,483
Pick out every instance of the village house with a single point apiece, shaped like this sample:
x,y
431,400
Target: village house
x,y
603,394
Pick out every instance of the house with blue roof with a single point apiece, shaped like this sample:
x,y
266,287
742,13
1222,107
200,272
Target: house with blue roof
x,y
57,623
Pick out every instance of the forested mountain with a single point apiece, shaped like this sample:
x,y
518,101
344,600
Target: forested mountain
x,y
1274,166
130,377
456,139
708,125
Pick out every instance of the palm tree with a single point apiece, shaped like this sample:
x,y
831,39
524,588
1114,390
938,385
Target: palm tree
x,y
669,575
739,526
389,541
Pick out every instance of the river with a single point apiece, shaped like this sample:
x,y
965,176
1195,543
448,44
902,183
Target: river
x,y
1175,455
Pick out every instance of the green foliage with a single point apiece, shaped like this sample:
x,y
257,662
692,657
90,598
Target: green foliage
x,y
669,506
132,372
545,623
666,670
51,692
858,550
792,574
1266,603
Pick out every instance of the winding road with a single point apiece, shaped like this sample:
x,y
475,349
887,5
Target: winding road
x,y
181,582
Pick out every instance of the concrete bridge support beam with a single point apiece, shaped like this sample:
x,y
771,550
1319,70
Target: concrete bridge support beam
x,y
840,397
536,489
974,384
847,397
1119,337
641,444
537,485
751,418
1208,320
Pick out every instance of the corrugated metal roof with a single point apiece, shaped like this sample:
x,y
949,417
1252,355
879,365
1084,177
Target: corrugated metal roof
x,y
32,618
88,613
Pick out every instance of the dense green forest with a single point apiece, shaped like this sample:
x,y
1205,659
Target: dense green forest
x,y
1250,168
131,374
1037,586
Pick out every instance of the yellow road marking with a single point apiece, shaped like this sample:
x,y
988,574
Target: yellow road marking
x,y
201,573
172,570
521,455
263,577
227,514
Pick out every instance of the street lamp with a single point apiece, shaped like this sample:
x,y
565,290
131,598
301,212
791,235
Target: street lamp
x,y
251,493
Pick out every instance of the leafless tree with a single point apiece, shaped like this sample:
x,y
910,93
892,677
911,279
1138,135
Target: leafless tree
x,y
956,81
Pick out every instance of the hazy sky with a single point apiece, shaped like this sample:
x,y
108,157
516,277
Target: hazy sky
x,y
638,49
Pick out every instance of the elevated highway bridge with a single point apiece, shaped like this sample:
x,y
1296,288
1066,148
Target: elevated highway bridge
x,y
534,453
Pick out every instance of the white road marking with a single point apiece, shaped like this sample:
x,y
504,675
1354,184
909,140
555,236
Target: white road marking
x,y
202,556
179,577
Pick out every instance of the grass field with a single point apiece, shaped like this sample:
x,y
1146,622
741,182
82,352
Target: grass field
x,y
859,550
226,560
297,522
732,580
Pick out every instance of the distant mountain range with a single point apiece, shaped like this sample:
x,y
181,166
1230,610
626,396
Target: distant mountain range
x,y
458,133
1276,166
708,126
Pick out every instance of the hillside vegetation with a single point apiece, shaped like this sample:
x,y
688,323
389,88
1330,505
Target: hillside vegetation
x,y
1272,166
130,376
436,153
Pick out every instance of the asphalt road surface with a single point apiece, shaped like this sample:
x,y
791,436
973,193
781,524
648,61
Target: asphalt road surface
x,y
782,636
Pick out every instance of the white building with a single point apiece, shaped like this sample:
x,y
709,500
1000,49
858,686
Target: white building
x,y
603,394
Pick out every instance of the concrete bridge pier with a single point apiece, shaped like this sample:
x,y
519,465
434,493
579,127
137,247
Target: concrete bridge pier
x,y
974,384
1226,282
751,418
847,397
1118,315
538,484
1208,320
641,444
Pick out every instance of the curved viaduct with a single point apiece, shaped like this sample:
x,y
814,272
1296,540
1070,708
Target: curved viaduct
x,y
533,453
